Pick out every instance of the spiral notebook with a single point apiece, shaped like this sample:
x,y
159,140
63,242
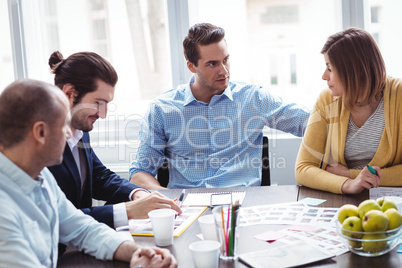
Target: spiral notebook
x,y
204,199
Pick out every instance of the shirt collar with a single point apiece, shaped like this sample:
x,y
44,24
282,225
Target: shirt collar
x,y
17,175
189,97
73,141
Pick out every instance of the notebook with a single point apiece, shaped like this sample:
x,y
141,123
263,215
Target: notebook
x,y
181,223
217,198
285,256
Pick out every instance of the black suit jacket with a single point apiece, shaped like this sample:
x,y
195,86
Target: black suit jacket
x,y
101,183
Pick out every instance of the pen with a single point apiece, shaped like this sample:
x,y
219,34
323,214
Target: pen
x,y
371,169
181,197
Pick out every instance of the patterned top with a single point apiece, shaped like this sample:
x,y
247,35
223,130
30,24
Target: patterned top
x,y
362,143
215,144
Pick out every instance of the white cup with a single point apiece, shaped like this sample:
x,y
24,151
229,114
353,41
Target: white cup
x,y
205,253
162,221
207,226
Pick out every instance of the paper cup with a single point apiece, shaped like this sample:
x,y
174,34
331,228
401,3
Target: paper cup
x,y
205,253
207,226
162,221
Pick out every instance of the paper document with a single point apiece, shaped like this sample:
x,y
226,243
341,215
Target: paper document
x,y
288,213
181,223
285,256
385,191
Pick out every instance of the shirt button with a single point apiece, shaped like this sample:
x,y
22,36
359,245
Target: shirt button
x,y
210,107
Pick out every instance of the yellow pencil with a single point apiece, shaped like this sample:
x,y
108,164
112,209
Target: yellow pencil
x,y
223,227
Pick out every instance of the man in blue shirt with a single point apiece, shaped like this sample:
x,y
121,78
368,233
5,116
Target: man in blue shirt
x,y
35,213
210,130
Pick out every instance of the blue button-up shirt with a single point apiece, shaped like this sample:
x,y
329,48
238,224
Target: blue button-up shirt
x,y
35,216
215,144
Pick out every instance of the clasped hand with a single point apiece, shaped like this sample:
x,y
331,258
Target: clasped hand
x,y
148,257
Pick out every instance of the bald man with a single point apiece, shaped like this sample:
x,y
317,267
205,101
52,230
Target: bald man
x,y
35,214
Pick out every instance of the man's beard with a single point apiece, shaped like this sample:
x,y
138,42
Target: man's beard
x,y
81,124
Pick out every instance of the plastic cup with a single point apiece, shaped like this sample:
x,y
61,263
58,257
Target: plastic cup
x,y
207,226
162,221
205,253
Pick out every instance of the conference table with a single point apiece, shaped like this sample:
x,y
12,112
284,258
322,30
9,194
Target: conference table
x,y
261,195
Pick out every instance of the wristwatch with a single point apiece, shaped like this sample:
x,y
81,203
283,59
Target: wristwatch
x,y
137,266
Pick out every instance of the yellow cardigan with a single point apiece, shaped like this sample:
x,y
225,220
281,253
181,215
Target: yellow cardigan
x,y
325,137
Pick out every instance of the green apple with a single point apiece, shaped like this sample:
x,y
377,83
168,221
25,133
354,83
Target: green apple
x,y
394,217
386,204
355,244
351,225
374,246
347,211
375,221
366,206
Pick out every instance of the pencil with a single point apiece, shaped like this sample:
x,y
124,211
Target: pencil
x,y
235,214
230,250
228,231
223,226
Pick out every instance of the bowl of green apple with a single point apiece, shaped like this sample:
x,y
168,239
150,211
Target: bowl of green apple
x,y
371,229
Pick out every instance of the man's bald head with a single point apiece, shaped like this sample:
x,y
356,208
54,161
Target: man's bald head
x,y
25,102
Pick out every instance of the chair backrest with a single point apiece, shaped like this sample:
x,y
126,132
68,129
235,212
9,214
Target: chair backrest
x,y
163,171
163,174
266,174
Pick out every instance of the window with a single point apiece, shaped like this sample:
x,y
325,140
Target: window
x,y
385,28
6,59
293,73
99,21
274,69
375,14
131,34
273,43
280,15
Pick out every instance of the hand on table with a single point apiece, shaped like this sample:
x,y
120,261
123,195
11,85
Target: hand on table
x,y
365,180
153,257
144,202
338,169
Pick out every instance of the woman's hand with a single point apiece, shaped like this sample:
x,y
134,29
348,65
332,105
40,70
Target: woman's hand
x,y
338,169
365,180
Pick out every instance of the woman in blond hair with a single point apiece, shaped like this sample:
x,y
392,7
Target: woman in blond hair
x,y
355,123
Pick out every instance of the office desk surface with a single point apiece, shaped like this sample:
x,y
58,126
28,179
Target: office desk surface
x,y
254,196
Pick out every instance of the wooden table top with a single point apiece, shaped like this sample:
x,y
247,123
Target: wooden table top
x,y
255,196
